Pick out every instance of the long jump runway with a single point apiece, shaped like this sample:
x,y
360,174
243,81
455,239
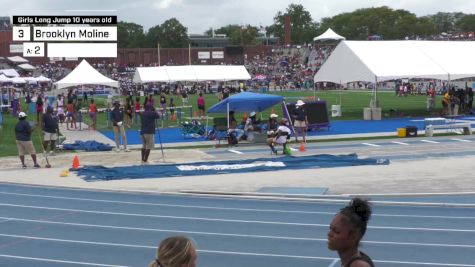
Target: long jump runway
x,y
64,227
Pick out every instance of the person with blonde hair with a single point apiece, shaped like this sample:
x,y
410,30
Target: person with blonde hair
x,y
175,251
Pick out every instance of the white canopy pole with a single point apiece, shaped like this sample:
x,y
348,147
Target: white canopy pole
x,y
290,119
227,116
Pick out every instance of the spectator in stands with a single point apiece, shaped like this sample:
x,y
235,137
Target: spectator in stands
x,y
149,100
201,105
184,96
470,99
24,144
93,114
60,108
163,102
50,129
446,104
39,108
117,118
15,105
70,116
300,120
175,251
128,112
137,110
171,105
147,131
346,231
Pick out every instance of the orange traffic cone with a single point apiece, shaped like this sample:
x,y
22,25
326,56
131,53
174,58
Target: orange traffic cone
x,y
75,162
302,147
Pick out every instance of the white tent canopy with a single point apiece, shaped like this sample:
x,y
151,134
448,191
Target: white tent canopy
x,y
329,34
18,80
10,73
191,73
26,66
4,79
85,74
42,79
372,61
17,59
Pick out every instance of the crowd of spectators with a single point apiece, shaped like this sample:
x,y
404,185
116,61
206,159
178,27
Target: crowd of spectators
x,y
457,36
288,67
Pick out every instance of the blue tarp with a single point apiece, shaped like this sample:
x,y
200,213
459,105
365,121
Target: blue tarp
x,y
99,173
245,102
88,146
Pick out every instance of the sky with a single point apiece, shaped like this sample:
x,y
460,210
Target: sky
x,y
201,15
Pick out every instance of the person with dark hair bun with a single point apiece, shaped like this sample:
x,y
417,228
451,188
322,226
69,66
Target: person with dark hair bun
x,y
346,231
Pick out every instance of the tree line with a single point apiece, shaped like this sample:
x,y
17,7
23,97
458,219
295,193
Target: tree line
x,y
391,24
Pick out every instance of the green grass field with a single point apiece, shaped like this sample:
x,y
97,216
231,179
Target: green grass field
x,y
352,108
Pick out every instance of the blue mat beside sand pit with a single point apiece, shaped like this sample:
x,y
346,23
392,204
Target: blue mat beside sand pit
x,y
101,173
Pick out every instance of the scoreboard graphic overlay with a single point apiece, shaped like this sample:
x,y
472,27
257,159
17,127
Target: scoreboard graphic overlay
x,y
67,36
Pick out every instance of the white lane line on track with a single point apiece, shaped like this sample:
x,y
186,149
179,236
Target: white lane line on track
x,y
461,140
59,261
155,247
400,143
429,141
228,235
223,208
256,222
334,262
369,144
425,263
235,151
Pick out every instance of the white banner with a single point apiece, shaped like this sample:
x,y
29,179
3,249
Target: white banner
x,y
203,55
82,49
16,48
218,54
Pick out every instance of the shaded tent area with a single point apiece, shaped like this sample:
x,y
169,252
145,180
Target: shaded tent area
x,y
192,73
100,173
369,61
245,102
84,74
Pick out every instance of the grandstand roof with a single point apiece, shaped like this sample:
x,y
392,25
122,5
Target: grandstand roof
x,y
372,61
